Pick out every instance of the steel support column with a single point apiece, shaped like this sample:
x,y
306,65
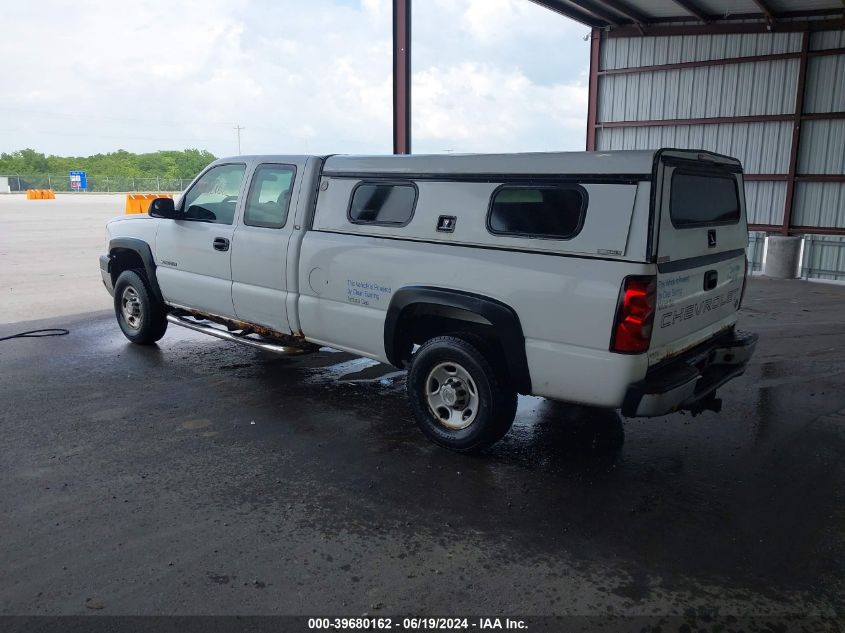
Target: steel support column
x,y
593,89
401,76
796,133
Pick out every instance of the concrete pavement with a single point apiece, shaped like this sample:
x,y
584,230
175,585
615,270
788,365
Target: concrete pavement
x,y
48,254
199,477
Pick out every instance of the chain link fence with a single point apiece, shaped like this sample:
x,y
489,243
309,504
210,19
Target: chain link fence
x,y
99,184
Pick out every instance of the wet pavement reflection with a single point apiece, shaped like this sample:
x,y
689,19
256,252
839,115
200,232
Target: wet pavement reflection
x,y
310,473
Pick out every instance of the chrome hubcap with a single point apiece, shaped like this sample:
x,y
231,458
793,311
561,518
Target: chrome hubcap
x,y
130,306
452,396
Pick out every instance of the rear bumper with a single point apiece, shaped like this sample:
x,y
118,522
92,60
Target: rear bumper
x,y
690,381
105,272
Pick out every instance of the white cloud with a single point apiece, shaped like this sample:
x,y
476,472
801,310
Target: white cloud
x,y
475,107
489,75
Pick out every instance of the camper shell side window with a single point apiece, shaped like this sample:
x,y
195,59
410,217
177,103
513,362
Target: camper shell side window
x,y
383,203
539,211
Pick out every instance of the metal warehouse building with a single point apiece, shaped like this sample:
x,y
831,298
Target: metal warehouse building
x,y
762,80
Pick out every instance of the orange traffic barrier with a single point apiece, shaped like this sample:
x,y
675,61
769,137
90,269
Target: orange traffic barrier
x,y
140,202
40,194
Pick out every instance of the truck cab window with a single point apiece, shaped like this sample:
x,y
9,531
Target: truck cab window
x,y
269,196
552,212
214,197
386,204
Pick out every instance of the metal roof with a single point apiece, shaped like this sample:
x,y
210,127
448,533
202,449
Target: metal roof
x,y
610,14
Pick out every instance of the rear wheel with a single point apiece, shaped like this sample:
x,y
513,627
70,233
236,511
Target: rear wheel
x,y
142,319
459,400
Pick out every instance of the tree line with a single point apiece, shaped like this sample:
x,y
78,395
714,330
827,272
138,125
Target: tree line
x,y
185,164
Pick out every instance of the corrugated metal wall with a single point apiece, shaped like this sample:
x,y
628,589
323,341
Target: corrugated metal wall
x,y
822,148
819,204
628,52
764,202
763,148
827,39
825,84
709,91
734,90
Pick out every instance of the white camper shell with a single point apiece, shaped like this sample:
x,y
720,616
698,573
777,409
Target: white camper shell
x,y
607,279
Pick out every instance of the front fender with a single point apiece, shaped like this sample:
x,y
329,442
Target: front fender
x,y
142,248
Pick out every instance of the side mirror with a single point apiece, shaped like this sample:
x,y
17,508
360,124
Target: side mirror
x,y
163,208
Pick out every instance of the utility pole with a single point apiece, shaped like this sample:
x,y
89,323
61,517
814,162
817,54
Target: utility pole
x,y
238,129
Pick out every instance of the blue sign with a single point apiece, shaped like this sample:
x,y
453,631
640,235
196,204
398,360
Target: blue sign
x,y
78,180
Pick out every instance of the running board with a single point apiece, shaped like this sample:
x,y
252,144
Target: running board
x,y
228,336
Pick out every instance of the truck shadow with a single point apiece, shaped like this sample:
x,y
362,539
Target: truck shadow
x,y
544,431
574,430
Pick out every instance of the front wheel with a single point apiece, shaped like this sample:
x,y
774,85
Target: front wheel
x,y
457,397
142,318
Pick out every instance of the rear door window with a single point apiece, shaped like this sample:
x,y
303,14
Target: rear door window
x,y
702,198
269,196
554,211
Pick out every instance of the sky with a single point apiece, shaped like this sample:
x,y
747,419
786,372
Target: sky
x,y
300,76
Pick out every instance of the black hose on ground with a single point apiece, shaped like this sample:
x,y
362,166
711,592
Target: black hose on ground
x,y
53,331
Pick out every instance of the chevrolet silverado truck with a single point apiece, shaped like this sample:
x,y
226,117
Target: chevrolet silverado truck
x,y
606,279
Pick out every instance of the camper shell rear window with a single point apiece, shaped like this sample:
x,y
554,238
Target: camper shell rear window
x,y
703,198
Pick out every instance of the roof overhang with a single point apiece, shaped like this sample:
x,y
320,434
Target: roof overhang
x,y
653,17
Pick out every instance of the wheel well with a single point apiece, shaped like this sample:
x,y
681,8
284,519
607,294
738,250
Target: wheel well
x,y
420,322
124,259
419,313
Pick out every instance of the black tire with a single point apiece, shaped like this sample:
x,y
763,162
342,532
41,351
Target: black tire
x,y
494,406
492,353
144,321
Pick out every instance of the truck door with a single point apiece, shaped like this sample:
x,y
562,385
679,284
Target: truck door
x,y
259,252
193,253
701,235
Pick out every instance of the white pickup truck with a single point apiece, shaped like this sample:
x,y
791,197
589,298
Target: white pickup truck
x,y
605,279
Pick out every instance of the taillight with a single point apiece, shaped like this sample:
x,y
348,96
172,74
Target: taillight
x,y
744,284
634,315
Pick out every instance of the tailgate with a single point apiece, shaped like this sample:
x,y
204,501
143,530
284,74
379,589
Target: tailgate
x,y
701,236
